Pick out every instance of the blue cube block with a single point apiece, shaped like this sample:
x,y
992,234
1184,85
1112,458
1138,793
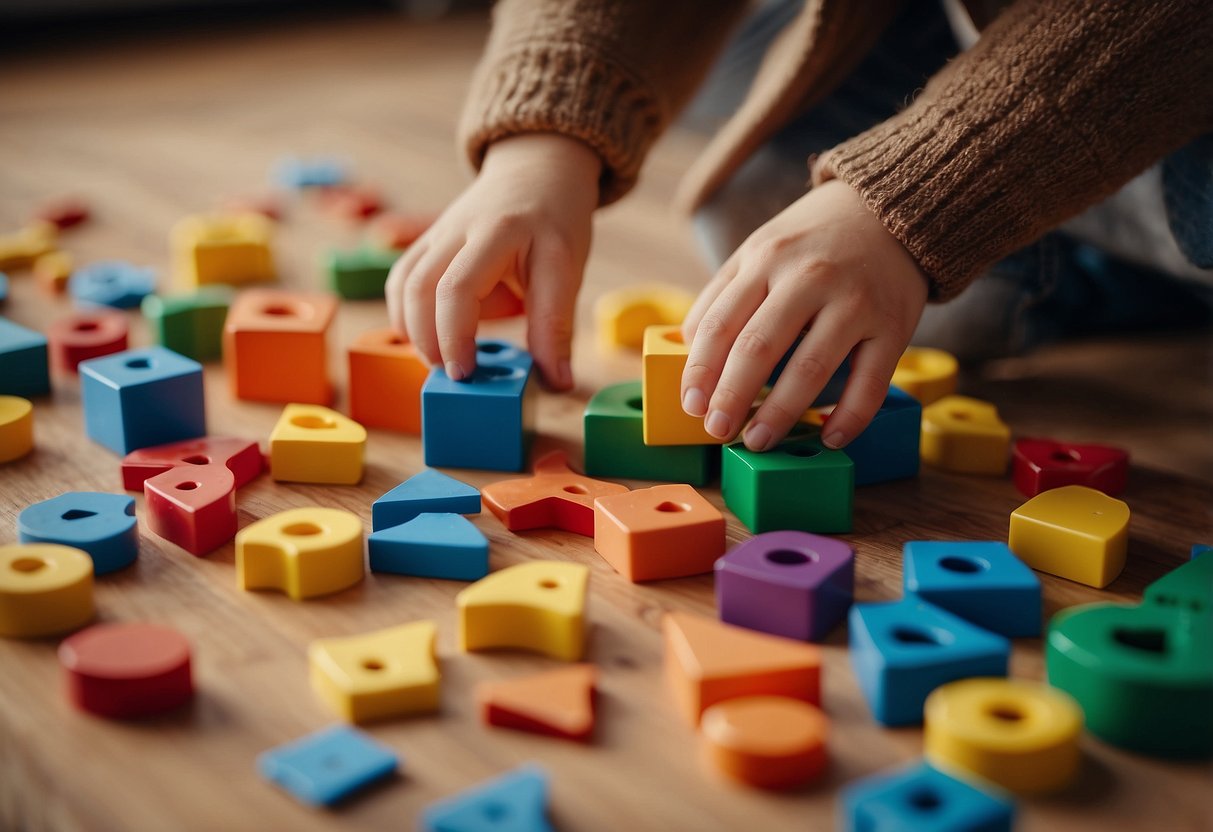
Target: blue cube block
x,y
514,802
484,421
903,650
888,447
429,492
111,283
981,581
139,398
326,766
922,799
24,370
431,546
103,525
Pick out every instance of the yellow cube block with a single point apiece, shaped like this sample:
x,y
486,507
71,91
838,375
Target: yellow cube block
x,y
387,673
965,436
45,589
664,421
1073,532
304,552
314,444
16,428
926,374
20,250
537,606
222,249
623,315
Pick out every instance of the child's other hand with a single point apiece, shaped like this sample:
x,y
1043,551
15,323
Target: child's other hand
x,y
827,265
525,221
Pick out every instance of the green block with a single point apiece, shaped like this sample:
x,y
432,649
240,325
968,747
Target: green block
x,y
190,324
359,274
614,443
797,485
1188,587
1142,674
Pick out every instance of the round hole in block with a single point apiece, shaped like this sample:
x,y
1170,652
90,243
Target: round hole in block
x,y
495,812
549,583
576,489
908,634
673,336
396,341
302,529
197,459
1149,640
788,557
373,664
636,403
188,486
278,310
77,514
963,565
491,348
802,451
312,422
28,565
87,326
139,364
494,371
924,800
1060,455
1005,712
671,507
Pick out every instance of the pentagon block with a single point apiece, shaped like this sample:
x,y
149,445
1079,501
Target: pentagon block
x,y
113,283
303,552
45,589
926,374
23,361
386,377
554,497
558,703
427,492
103,525
772,742
241,456
16,428
797,485
127,670
431,546
1073,532
329,765
538,606
311,443
1040,464
192,323
86,335
516,801
623,315
193,506
275,346
359,274
663,419
888,448
387,673
922,798
232,249
982,582
667,531
964,436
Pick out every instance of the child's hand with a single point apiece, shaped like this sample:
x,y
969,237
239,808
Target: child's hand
x,y
827,265
524,222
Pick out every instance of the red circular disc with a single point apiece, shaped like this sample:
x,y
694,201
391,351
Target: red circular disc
x,y
124,651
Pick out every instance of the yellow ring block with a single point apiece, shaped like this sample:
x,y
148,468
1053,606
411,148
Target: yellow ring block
x,y
926,374
1021,735
16,428
303,552
45,589
387,673
537,606
623,315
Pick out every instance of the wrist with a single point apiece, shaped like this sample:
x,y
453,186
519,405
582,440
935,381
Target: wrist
x,y
571,159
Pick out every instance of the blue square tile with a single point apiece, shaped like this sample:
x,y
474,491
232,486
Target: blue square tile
x,y
981,581
328,765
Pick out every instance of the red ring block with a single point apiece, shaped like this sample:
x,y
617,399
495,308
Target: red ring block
x,y
86,335
193,506
127,670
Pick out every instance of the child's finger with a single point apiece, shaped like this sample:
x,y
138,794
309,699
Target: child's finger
x,y
707,296
551,299
419,298
471,276
872,365
714,337
394,289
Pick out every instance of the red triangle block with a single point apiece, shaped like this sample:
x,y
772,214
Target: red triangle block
x,y
558,703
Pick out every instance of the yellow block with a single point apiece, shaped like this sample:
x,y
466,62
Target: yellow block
x,y
392,672
1073,532
623,315
965,436
537,606
303,552
45,589
311,443
665,422
926,374
20,250
52,271
1020,735
16,427
222,249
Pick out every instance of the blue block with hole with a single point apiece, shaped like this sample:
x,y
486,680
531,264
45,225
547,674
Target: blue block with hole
x,y
144,397
114,283
922,799
903,650
485,421
428,492
888,447
447,546
103,525
514,802
313,172
24,370
981,581
322,768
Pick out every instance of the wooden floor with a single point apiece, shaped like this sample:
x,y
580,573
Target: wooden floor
x,y
149,130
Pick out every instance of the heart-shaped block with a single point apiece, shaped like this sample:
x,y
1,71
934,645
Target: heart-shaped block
x,y
1041,464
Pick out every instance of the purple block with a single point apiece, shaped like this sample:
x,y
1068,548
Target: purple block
x,y
792,584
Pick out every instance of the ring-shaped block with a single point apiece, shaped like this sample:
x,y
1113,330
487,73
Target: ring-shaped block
x,y
127,670
927,374
45,589
303,552
86,335
665,422
103,525
16,428
772,742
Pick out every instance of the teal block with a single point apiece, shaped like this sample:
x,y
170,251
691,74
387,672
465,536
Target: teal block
x,y
798,485
447,546
922,799
428,492
888,448
329,765
113,283
514,802
103,525
24,370
3,287
190,324
981,581
359,274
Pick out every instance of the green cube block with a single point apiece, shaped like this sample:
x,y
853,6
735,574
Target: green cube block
x,y
614,443
1188,587
797,485
361,273
190,324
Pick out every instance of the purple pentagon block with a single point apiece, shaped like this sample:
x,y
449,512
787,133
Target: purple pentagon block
x,y
792,584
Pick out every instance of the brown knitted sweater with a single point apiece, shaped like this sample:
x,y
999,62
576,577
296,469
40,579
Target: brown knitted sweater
x,y
1059,104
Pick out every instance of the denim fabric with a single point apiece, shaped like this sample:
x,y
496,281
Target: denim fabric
x,y
1187,190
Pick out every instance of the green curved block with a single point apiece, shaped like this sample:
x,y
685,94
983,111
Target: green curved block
x,y
359,274
190,324
1188,587
797,485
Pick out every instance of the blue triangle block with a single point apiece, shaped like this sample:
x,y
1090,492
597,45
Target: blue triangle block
x,y
921,798
431,546
514,802
429,492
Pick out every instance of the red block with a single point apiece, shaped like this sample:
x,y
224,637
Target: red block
x,y
193,506
64,213
352,202
127,670
86,335
399,231
269,207
1042,464
241,456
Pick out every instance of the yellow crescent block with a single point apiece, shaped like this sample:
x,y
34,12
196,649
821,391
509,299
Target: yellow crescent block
x,y
16,428
314,444
926,374
1073,532
303,552
965,436
538,606
45,589
623,315
387,673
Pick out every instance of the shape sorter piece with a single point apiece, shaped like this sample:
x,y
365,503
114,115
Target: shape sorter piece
x,y
426,492
707,661
267,205
903,650
359,274
103,525
557,703
230,249
964,436
663,419
1022,736
23,361
241,456
191,323
311,443
614,442
322,768
303,552
355,203
772,742
86,335
889,447
517,801
19,250
1186,588
1041,464
798,485
623,315
792,584
667,531
378,675
922,799
486,420
431,546
554,497
64,212
981,581
53,270
398,231
275,346
537,606
45,589
1073,532
310,172
16,428
926,374
114,283
193,506
127,670
3,287
144,397
386,377
1199,549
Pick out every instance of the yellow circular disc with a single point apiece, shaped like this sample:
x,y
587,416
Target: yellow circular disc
x,y
44,589
16,428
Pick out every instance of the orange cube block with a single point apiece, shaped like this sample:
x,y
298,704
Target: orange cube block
x,y
772,742
275,346
668,531
386,375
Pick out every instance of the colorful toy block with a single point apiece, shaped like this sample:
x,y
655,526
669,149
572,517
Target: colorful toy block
x,y
86,335
1021,735
359,274
965,436
926,374
232,249
431,546
484,421
792,584
614,443
426,492
664,420
241,456
275,346
45,589
356,203
557,703
981,581
322,768
554,497
310,172
303,552
514,802
267,205
537,606
667,531
1186,588
386,374
707,661
3,287
903,650
19,250
398,231
192,323
16,428
921,799
53,270
378,675
311,443
772,742
23,361
114,283
797,485
193,506
64,212
143,397
1040,464
127,670
888,449
1073,532
103,525
624,314
1199,549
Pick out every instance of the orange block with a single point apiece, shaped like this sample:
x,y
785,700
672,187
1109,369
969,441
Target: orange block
x,y
668,531
772,742
708,661
386,375
559,703
275,346
554,497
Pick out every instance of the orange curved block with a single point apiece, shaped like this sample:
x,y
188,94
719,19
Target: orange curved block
x,y
275,346
772,742
668,531
554,497
386,376
559,703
